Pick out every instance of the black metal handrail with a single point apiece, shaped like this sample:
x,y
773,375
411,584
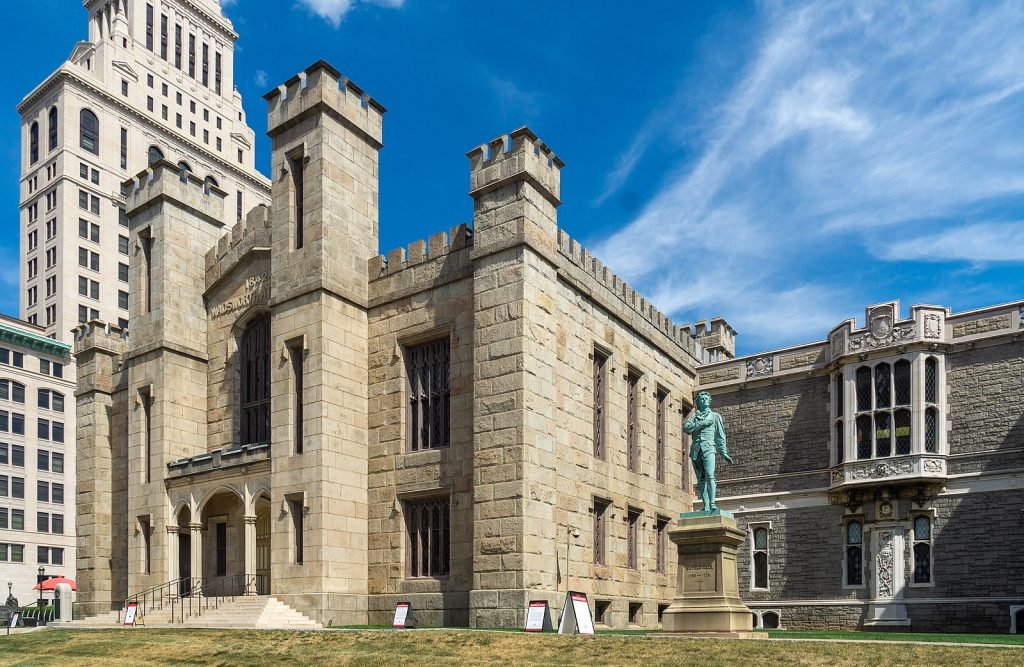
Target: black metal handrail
x,y
153,598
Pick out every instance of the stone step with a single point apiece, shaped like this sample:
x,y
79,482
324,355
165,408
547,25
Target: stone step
x,y
242,612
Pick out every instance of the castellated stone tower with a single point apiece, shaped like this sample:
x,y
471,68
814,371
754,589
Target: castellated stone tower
x,y
295,414
514,182
326,134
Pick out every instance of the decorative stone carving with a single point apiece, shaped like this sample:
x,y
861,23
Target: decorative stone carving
x,y
870,341
933,326
837,476
760,366
882,470
884,564
932,465
837,345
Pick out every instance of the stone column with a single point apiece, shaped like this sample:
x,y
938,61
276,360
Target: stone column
x,y
197,550
250,554
172,552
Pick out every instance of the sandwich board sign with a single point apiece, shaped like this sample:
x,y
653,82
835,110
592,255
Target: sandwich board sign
x,y
401,615
537,617
130,613
15,620
576,615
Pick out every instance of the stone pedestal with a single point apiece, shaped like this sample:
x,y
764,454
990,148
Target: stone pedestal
x,y
707,583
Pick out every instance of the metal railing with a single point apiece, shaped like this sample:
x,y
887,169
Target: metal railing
x,y
191,596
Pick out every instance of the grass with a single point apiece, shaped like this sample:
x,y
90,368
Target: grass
x,y
955,638
450,648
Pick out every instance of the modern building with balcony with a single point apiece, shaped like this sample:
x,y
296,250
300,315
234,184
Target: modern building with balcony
x,y
880,472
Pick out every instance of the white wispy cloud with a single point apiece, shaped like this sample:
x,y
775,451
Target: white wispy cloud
x,y
858,134
512,97
333,11
261,78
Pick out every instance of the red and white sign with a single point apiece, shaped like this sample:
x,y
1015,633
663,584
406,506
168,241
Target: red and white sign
x,y
537,616
130,612
576,615
401,614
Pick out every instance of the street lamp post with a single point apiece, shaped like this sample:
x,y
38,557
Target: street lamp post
x,y
41,578
573,532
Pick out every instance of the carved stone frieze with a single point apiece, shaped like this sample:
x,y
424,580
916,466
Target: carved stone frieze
x,y
932,465
933,326
871,341
884,564
760,366
882,470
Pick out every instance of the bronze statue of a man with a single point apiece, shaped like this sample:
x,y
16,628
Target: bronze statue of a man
x,y
708,437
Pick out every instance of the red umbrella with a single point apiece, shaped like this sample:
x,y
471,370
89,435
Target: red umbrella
x,y
51,584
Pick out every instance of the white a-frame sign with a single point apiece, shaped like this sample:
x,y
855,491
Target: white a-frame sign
x,y
576,615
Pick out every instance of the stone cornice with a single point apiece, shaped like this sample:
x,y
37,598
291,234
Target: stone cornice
x,y
66,73
219,22
38,342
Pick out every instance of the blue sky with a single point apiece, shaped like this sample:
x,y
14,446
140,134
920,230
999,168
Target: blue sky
x,y
778,164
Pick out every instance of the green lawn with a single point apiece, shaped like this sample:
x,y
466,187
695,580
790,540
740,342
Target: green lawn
x,y
1014,640
139,647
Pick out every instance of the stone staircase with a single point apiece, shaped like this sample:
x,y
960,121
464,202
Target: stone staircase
x,y
263,612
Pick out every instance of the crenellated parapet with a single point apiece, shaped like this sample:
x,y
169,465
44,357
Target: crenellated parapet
x,y
252,234
97,335
421,265
322,89
99,354
516,156
580,257
163,181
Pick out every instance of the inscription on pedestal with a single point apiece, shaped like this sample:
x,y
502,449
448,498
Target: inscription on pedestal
x,y
699,575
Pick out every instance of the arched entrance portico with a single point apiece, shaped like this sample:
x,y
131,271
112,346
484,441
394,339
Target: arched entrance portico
x,y
226,528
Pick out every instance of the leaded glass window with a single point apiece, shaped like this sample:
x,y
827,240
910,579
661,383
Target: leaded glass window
x,y
428,529
255,382
864,437
902,424
854,554
863,389
760,558
922,550
931,431
901,381
930,379
599,385
429,370
883,393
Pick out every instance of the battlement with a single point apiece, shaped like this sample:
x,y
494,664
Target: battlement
x,y
595,268
516,156
252,232
438,245
716,336
101,336
164,180
320,88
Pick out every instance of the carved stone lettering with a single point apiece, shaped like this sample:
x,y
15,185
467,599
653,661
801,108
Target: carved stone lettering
x,y
257,290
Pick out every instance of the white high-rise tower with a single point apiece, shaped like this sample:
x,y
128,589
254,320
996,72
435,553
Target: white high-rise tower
x,y
154,81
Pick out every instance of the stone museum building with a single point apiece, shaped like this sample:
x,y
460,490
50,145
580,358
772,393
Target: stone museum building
x,y
880,472
485,417
489,416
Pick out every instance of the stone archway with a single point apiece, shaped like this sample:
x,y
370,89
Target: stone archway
x,y
223,543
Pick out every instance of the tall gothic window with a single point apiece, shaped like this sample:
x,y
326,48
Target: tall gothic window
x,y
854,553
427,525
759,558
89,131
429,371
33,143
662,400
922,550
52,128
600,360
883,410
633,421
255,390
